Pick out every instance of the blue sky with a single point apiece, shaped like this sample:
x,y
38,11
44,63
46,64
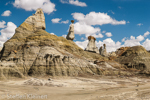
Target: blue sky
x,y
116,23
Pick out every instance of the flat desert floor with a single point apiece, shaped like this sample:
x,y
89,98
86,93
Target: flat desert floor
x,y
76,88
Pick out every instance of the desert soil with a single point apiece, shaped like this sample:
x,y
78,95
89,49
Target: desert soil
x,y
77,88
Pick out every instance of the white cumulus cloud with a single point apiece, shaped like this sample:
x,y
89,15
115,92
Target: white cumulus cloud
x,y
6,13
123,40
94,18
83,28
133,41
146,44
146,34
82,44
108,34
86,24
74,2
56,20
7,32
99,35
65,22
2,24
30,5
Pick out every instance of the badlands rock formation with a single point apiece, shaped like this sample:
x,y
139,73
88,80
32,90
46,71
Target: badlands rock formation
x,y
33,51
91,45
70,35
121,50
136,57
37,20
103,51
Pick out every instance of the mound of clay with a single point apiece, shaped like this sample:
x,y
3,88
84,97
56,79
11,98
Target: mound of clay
x,y
136,57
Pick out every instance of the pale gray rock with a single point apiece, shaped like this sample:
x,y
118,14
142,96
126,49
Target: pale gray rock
x,y
103,51
91,45
37,20
70,35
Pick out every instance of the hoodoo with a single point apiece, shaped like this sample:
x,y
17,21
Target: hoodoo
x,y
70,35
91,45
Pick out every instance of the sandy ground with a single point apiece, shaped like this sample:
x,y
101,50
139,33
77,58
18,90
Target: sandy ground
x,y
77,88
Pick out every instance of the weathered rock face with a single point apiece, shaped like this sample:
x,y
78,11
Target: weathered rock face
x,y
112,55
53,63
91,45
136,57
70,35
121,50
33,51
37,20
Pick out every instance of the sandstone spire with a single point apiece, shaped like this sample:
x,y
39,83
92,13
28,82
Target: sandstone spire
x,y
103,51
37,20
70,35
91,45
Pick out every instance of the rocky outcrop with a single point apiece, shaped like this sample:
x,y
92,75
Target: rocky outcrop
x,y
37,20
136,57
121,50
112,54
33,51
91,47
102,50
70,35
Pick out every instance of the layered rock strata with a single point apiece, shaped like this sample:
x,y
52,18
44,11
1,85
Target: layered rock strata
x,y
136,57
33,51
37,20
